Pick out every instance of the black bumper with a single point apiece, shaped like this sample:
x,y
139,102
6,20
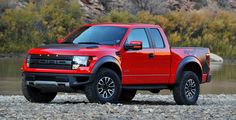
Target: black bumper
x,y
73,81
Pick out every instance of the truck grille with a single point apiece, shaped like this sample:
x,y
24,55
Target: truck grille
x,y
51,61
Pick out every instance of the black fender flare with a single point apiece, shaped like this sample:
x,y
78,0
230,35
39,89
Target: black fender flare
x,y
103,60
185,61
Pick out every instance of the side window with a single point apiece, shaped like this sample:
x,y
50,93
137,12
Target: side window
x,y
139,34
156,36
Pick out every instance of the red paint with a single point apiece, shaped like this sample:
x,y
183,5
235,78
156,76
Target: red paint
x,y
137,67
204,78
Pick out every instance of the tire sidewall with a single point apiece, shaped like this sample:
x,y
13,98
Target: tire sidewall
x,y
186,76
104,72
127,95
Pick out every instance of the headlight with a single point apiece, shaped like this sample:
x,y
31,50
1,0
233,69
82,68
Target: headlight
x,y
28,60
80,61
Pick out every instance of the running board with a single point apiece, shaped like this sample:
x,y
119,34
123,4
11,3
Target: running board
x,y
145,87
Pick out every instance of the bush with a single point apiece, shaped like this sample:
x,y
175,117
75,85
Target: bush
x,y
30,26
203,28
45,21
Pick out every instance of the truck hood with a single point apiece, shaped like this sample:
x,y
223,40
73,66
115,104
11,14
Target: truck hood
x,y
73,49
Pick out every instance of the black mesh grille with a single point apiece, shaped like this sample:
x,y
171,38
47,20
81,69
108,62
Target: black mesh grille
x,y
51,61
47,78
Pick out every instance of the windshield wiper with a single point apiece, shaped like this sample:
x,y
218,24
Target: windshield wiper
x,y
89,43
66,42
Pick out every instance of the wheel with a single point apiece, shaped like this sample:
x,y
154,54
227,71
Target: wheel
x,y
106,87
186,92
156,91
127,95
35,95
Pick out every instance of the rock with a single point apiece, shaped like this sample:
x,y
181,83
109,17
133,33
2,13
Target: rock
x,y
135,108
149,110
91,8
216,59
216,62
146,106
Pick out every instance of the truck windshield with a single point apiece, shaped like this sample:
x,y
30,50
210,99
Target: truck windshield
x,y
106,35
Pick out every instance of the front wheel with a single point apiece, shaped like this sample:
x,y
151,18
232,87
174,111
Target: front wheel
x,y
35,95
106,87
186,91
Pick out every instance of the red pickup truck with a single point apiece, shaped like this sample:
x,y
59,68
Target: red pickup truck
x,y
110,62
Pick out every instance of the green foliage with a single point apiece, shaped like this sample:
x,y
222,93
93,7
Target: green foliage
x,y
30,26
203,28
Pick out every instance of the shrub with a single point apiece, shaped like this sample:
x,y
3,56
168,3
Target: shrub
x,y
30,26
203,28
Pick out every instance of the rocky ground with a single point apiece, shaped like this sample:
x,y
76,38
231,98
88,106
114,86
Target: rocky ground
x,y
67,106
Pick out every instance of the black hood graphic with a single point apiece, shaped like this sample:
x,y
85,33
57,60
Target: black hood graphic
x,y
68,46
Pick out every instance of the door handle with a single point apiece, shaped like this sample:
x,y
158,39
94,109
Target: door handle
x,y
150,55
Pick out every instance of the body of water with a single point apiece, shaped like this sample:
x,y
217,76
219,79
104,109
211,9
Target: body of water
x,y
223,78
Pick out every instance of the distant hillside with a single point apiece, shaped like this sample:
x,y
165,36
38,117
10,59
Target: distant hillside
x,y
92,8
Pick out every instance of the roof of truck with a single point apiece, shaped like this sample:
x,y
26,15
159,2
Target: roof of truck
x,y
124,25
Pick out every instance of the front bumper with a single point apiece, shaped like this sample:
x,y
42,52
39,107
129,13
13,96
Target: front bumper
x,y
57,82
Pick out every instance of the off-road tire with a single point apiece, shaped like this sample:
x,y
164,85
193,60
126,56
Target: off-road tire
x,y
155,91
127,95
93,90
182,91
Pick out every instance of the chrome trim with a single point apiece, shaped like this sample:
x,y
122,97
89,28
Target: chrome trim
x,y
35,83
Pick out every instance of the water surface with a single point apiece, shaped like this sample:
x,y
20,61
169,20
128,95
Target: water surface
x,y
223,81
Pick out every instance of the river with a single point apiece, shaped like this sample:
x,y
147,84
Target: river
x,y
223,78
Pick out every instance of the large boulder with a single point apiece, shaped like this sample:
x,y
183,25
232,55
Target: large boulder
x,y
216,59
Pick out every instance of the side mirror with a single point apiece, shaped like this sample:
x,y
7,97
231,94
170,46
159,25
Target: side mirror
x,y
134,45
60,40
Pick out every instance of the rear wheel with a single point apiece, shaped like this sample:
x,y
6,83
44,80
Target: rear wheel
x,y
35,95
186,92
156,91
127,95
106,87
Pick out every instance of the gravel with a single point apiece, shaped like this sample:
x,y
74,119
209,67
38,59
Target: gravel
x,y
144,107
